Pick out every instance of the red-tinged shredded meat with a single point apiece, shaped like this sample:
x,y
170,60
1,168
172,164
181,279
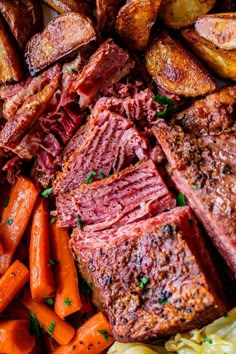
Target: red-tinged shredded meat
x,y
210,115
130,195
111,143
204,170
153,278
106,66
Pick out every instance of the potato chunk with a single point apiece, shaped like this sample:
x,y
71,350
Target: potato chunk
x,y
64,6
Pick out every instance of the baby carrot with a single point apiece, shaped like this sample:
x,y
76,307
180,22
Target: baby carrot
x,y
67,300
59,329
41,276
11,283
93,337
15,337
14,218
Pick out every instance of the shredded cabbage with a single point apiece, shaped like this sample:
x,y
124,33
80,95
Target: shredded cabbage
x,y
217,338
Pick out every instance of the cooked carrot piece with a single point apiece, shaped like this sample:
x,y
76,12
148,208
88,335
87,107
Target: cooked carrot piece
x,y
41,276
58,329
11,283
15,337
15,217
67,298
93,337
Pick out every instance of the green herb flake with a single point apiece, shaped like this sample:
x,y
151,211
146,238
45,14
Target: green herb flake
x,y
163,302
80,222
53,262
90,177
194,186
207,340
72,70
53,219
164,113
46,193
33,325
9,221
49,301
99,95
181,199
68,301
51,328
161,99
6,202
101,175
226,315
85,316
87,112
105,334
86,289
143,282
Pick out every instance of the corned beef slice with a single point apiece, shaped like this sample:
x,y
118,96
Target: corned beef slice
x,y
111,143
130,195
153,278
204,170
106,66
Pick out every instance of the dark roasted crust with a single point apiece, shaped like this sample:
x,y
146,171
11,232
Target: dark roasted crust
x,y
64,6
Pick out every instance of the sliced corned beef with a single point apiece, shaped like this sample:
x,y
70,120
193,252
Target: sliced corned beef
x,y
106,66
204,170
130,195
111,143
153,278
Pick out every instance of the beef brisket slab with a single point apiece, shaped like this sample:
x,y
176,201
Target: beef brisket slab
x,y
130,195
204,170
111,143
153,278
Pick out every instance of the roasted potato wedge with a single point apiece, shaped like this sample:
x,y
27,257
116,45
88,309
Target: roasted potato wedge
x,y
222,62
24,17
11,67
62,36
106,14
64,6
134,22
182,13
175,69
220,29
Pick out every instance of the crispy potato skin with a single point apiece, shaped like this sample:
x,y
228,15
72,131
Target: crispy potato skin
x,y
220,29
222,62
177,70
183,13
62,36
11,66
24,18
64,6
106,14
134,22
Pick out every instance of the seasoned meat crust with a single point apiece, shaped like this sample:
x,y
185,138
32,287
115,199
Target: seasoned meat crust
x,y
153,278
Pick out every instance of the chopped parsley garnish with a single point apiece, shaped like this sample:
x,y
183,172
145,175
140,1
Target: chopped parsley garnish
x,y
49,301
161,99
53,262
194,186
46,193
85,316
105,334
90,177
6,202
53,219
80,222
72,70
101,175
143,282
226,315
33,325
68,301
51,328
181,199
99,95
207,340
163,302
164,113
87,112
9,221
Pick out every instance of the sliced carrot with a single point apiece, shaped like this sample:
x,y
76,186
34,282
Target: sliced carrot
x,y
15,217
12,282
15,337
67,300
41,277
59,329
93,337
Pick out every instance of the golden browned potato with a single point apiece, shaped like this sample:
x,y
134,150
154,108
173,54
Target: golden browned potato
x,y
106,14
24,17
177,70
134,22
11,68
182,13
64,6
220,29
222,62
62,36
